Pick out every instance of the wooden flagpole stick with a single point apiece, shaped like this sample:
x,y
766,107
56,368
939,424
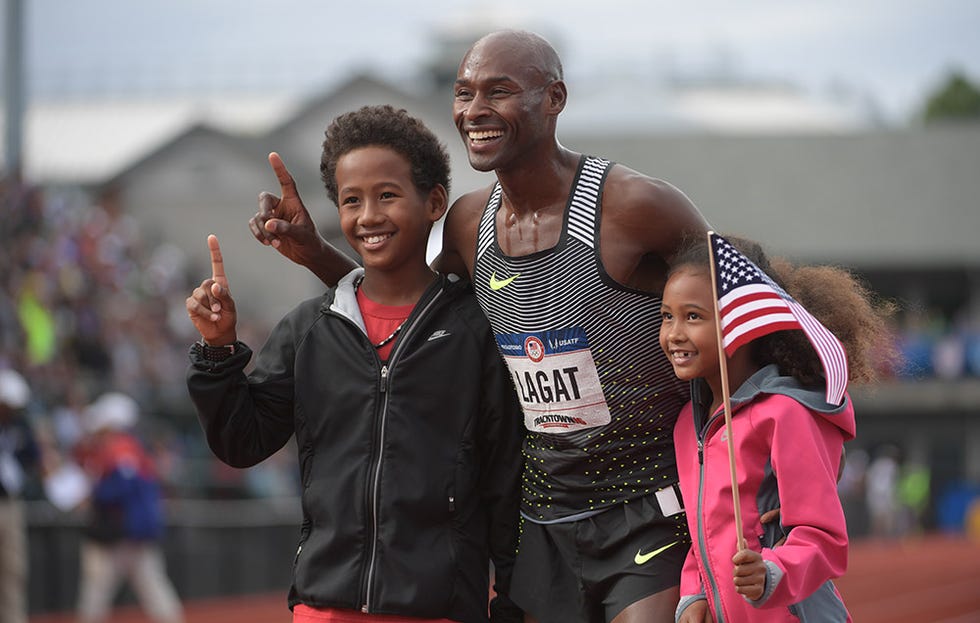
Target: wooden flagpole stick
x,y
723,363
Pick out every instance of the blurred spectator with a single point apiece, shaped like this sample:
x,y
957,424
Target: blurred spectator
x,y
949,356
972,354
972,520
122,540
913,495
918,335
882,492
18,456
956,505
852,488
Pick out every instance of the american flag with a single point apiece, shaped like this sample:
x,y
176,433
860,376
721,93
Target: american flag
x,y
751,304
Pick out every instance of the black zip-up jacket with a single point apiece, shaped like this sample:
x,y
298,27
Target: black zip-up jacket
x,y
410,468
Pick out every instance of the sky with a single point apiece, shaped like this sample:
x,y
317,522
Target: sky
x,y
893,51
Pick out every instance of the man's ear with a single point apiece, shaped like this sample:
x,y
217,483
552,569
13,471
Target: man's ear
x,y
557,96
437,202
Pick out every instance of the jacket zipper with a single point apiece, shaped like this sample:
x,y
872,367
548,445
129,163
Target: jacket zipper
x,y
384,382
383,385
702,547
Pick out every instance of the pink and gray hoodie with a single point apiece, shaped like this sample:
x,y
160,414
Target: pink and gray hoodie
x,y
788,443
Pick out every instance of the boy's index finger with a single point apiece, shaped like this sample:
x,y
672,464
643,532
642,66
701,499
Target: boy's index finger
x,y
217,263
286,182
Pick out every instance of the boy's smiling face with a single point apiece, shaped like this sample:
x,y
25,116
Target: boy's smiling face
x,y
384,217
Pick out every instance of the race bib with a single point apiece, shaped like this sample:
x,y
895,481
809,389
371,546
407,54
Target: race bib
x,y
556,380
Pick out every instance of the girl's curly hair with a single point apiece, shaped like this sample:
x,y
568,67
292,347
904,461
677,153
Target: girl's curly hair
x,y
833,295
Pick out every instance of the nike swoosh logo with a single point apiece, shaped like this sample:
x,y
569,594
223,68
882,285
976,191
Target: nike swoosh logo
x,y
642,559
496,284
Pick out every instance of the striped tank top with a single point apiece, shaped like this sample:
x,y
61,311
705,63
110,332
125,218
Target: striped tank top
x,y
600,398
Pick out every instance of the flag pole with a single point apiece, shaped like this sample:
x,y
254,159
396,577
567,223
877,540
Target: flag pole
x,y
726,400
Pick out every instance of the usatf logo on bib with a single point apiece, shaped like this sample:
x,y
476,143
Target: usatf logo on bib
x,y
556,379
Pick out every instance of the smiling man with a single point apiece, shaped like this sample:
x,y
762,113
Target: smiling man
x,y
568,256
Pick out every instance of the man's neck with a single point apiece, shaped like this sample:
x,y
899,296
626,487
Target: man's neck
x,y
543,185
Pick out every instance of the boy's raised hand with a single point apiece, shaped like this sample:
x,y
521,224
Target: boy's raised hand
x,y
210,306
283,222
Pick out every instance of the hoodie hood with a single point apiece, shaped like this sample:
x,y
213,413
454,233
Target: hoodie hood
x,y
768,381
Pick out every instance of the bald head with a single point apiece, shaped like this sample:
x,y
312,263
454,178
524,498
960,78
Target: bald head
x,y
534,50
507,97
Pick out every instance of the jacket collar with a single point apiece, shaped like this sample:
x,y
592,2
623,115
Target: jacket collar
x,y
766,380
344,301
345,297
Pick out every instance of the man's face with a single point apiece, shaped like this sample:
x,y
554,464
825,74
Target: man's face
x,y
499,104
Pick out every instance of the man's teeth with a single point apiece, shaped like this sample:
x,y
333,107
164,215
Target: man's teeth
x,y
484,135
376,239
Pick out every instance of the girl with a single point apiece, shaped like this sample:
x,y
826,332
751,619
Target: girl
x,y
787,439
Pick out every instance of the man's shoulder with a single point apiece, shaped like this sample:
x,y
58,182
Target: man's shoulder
x,y
473,201
460,231
636,197
631,187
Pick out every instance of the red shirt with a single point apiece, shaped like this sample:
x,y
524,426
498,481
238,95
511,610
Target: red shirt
x,y
305,614
381,321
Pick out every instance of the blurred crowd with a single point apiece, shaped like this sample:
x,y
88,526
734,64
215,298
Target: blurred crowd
x,y
934,346
90,304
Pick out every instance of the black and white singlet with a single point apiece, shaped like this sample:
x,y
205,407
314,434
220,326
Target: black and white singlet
x,y
600,398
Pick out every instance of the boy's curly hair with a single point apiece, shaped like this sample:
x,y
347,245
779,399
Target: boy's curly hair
x,y
833,296
385,126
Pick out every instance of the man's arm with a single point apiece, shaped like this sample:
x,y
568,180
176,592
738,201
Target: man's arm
x,y
284,223
645,222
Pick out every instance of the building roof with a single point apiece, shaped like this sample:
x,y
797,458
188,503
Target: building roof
x,y
88,141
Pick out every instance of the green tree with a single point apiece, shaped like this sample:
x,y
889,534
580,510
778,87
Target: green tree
x,y
956,99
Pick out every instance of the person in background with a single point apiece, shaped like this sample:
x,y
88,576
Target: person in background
x,y
882,492
125,526
19,456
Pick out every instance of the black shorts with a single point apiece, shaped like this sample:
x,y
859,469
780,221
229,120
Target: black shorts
x,y
588,571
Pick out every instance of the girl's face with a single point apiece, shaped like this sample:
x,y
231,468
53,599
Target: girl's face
x,y
687,333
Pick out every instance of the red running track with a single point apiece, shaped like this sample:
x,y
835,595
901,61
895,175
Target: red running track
x,y
931,579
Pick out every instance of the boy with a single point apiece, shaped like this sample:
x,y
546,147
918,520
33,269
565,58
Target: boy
x,y
408,430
